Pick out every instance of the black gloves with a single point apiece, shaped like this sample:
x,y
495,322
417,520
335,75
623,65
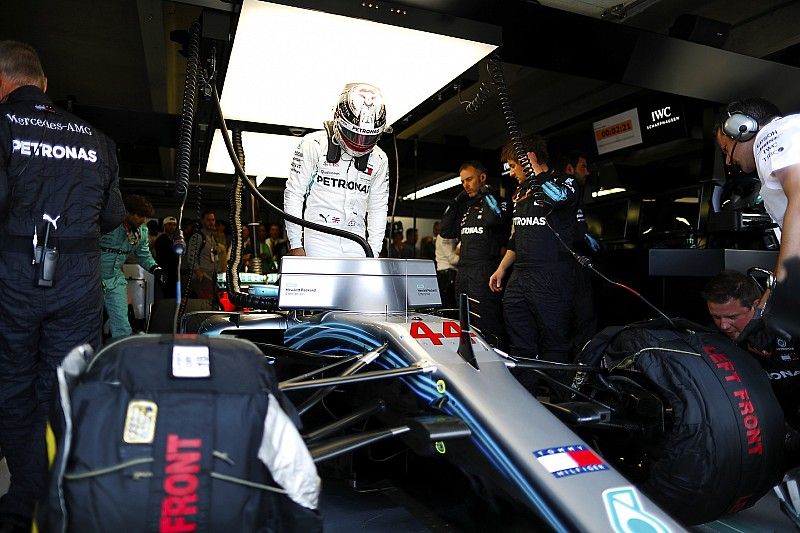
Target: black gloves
x,y
755,337
159,274
484,190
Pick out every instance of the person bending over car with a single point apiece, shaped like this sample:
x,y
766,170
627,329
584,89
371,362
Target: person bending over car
x,y
732,299
340,178
756,137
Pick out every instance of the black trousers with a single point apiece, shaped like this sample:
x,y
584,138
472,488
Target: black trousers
x,y
446,280
473,280
38,327
584,317
537,305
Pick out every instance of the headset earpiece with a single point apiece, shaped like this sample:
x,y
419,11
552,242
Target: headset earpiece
x,y
740,127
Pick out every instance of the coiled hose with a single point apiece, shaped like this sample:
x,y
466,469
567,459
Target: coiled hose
x,y
235,294
484,92
498,78
183,156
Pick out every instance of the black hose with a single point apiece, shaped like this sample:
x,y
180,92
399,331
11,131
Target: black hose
x,y
255,192
235,215
237,297
183,157
499,79
483,94
191,263
184,152
195,243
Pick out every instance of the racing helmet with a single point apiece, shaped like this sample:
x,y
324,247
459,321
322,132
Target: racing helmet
x,y
359,118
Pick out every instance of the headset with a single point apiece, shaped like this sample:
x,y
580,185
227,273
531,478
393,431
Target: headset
x,y
740,126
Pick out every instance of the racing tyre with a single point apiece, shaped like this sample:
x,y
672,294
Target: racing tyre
x,y
724,447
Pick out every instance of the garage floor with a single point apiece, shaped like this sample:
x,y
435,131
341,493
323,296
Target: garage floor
x,y
765,516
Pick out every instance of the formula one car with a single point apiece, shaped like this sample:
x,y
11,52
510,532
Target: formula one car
x,y
667,423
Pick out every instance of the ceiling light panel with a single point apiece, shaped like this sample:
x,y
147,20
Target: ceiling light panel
x,y
433,189
288,65
266,155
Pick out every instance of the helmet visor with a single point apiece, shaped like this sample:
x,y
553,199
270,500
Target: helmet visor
x,y
359,142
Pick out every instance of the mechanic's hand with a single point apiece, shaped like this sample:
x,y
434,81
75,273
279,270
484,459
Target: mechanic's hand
x,y
591,242
496,280
160,275
755,338
484,190
297,251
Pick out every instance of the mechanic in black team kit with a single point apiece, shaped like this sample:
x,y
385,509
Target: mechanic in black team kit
x,y
481,222
58,192
538,297
583,313
732,300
